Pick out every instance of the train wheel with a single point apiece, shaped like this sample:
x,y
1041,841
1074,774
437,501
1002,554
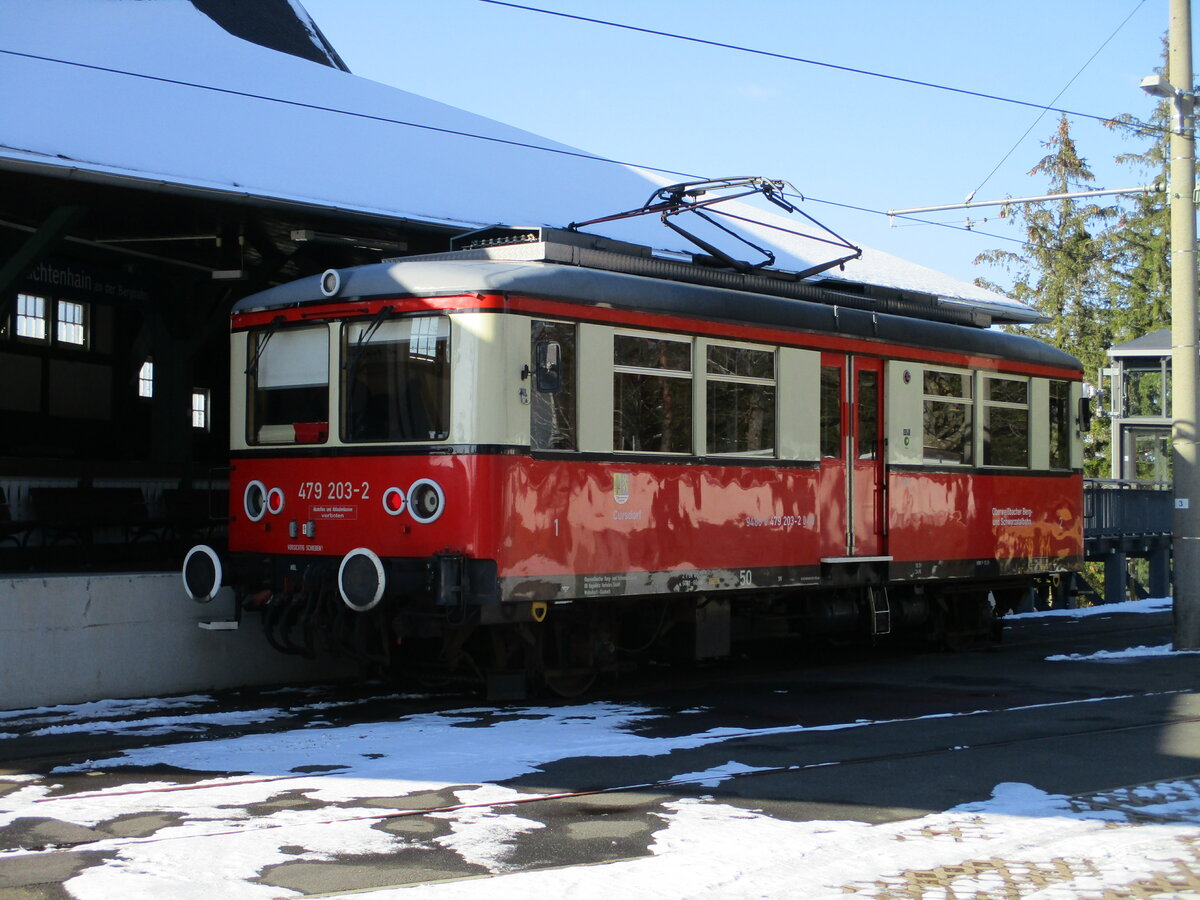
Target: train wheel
x,y
569,665
966,622
569,685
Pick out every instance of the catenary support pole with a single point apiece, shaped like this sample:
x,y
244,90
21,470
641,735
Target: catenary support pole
x,y
1185,349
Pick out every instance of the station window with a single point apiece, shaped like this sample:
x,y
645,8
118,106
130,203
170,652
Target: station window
x,y
1147,390
1060,435
200,409
288,385
146,379
552,420
740,400
946,417
652,394
831,412
1005,422
71,323
31,317
396,380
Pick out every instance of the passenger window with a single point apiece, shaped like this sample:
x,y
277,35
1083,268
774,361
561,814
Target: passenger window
x,y
867,401
1005,422
740,401
1060,420
652,394
947,417
552,414
831,412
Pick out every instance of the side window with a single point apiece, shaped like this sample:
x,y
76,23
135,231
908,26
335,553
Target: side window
x,y
1144,391
1060,420
552,414
831,412
145,379
652,394
31,317
867,404
71,323
740,400
946,416
1005,422
201,408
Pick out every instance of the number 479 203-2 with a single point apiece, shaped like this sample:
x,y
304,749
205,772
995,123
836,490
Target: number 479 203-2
x,y
333,490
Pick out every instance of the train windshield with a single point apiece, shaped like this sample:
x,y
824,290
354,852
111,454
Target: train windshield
x,y
396,380
288,383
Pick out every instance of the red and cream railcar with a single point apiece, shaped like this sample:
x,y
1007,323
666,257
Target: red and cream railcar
x,y
536,454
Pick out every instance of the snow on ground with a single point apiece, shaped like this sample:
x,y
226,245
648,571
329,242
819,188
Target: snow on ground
x,y
320,792
137,716
1156,604
711,850
1139,652
220,842
1150,605
102,708
703,849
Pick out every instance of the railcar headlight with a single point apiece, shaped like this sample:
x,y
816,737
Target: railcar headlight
x,y
275,501
254,501
426,500
361,580
202,573
331,282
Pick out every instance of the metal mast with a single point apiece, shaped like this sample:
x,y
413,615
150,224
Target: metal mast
x,y
1185,349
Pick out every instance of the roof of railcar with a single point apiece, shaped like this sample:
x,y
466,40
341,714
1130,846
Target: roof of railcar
x,y
635,293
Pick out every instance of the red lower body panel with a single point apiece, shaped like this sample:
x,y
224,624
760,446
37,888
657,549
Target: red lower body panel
x,y
568,528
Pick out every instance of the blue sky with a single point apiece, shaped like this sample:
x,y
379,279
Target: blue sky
x,y
837,136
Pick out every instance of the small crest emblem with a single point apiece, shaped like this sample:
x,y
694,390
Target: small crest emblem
x,y
621,486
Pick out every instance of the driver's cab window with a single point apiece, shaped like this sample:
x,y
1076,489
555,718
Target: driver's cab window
x,y
552,414
288,385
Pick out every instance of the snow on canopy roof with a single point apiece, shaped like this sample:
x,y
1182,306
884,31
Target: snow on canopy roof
x,y
202,111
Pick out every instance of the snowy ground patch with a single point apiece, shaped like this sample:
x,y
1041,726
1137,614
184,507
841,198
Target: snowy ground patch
x,y
100,709
1020,841
221,834
1139,652
1150,605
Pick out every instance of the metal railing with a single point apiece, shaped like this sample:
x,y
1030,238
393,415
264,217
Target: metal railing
x,y
1114,508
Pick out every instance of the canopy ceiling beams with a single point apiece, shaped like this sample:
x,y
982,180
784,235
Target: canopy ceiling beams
x,y
212,236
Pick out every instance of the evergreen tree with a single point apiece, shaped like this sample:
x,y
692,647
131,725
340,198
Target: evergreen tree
x,y
1065,268
1139,242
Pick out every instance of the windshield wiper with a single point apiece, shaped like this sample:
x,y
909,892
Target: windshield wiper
x,y
365,338
252,368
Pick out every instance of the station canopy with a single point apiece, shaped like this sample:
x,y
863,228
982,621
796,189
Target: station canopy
x,y
155,94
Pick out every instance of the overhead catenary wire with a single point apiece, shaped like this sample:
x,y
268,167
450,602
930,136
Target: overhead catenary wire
x,y
1011,201
1042,114
562,151
251,95
1142,127
473,136
916,82
913,219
